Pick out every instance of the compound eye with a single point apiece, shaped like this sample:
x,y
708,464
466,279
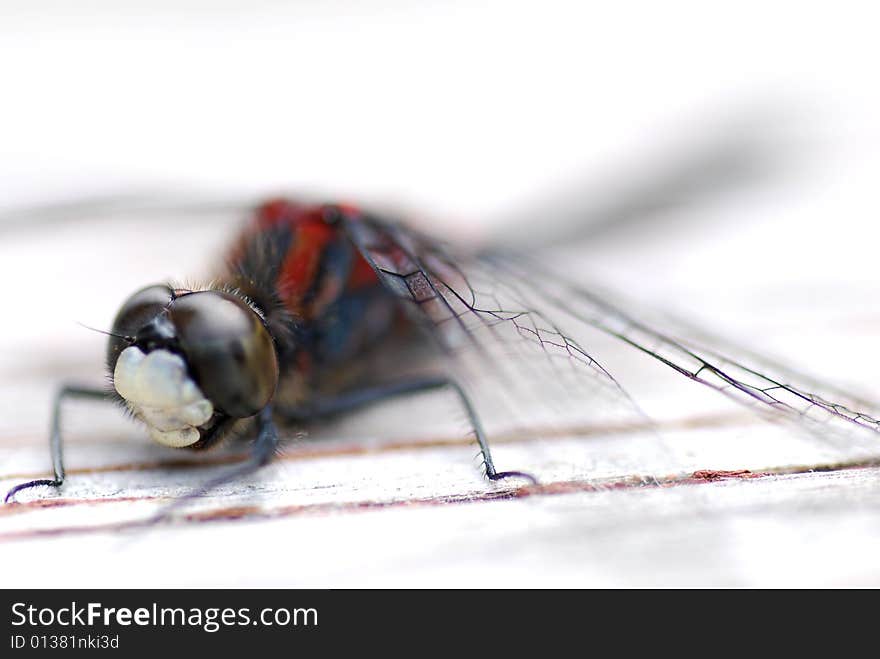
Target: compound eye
x,y
138,310
228,350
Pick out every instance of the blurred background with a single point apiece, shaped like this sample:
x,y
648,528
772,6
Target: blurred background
x,y
468,110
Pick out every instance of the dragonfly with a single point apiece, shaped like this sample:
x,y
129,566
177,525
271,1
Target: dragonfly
x,y
319,306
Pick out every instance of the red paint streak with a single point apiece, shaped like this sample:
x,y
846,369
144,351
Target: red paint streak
x,y
717,475
245,512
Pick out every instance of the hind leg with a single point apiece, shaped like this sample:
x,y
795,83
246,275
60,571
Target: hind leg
x,y
323,407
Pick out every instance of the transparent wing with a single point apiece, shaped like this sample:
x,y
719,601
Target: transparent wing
x,y
500,341
509,315
750,379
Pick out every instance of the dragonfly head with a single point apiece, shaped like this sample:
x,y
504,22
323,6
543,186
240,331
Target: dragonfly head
x,y
183,360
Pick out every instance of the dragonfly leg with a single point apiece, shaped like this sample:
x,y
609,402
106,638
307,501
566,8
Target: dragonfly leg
x,y
354,399
262,452
55,447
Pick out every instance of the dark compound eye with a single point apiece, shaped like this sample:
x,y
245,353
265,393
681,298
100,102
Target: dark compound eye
x,y
228,350
136,312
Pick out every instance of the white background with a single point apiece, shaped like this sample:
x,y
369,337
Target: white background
x,y
461,108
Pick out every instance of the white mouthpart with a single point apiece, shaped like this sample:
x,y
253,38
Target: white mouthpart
x,y
159,391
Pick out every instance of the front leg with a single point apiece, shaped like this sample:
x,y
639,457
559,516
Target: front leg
x,y
55,444
323,407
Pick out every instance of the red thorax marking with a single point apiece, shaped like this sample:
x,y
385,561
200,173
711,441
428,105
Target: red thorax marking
x,y
311,235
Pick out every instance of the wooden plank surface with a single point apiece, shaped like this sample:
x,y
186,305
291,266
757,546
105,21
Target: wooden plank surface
x,y
719,497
